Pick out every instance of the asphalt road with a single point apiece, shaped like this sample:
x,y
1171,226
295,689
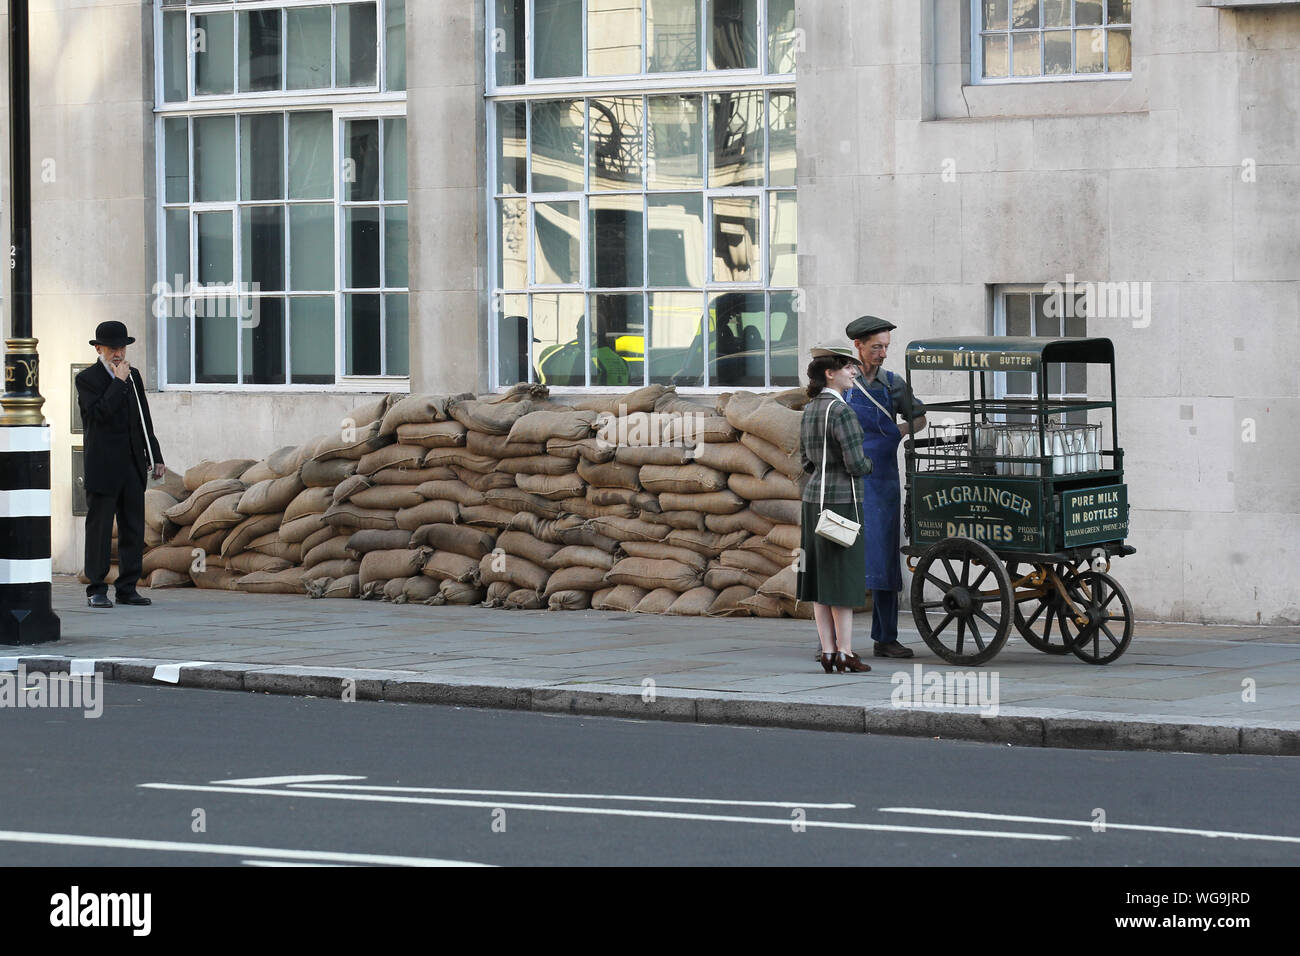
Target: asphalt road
x,y
183,777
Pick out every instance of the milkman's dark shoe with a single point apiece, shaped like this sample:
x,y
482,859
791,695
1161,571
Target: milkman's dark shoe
x,y
891,649
98,600
134,598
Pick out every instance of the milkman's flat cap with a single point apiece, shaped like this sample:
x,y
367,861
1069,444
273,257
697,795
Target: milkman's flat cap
x,y
824,351
865,325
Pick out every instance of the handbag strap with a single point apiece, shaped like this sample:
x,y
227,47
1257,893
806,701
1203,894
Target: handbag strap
x,y
884,411
826,435
148,447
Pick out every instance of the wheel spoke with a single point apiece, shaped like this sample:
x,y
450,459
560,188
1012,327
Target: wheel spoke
x,y
983,574
1041,608
965,572
961,632
941,585
991,623
1047,630
932,604
975,633
1109,634
947,618
1106,603
952,575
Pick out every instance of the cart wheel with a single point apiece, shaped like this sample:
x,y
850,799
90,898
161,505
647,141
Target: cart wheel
x,y
961,601
1110,616
1042,617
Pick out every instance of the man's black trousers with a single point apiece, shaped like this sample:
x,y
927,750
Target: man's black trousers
x,y
127,505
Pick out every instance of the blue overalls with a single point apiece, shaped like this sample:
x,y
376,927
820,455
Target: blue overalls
x,y
881,505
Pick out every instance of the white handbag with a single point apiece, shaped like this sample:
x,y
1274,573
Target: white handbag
x,y
830,525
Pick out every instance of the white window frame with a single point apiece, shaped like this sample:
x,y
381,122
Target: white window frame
x,y
1000,294
977,77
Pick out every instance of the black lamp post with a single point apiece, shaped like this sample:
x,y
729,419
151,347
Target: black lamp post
x,y
26,613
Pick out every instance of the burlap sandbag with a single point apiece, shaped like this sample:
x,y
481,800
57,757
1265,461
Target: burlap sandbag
x,y
624,597
500,446
412,476
290,459
769,420
794,398
686,520
575,579
394,456
708,543
579,556
569,600
697,429
457,458
309,501
650,574
317,537
720,578
610,475
751,561
427,512
165,578
386,565
330,549
803,610
470,542
155,503
272,545
583,535
519,571
731,458
299,529
363,542
187,512
496,593
775,485
273,582
524,599
585,509
458,593
552,487
436,435
524,545
588,449
492,418
543,425
215,579
760,605
638,400
177,559
657,601
370,412
255,473
270,496
417,590
449,566
249,561
209,471
334,568
634,430
537,465
210,544
789,465
346,488
727,603
345,587
743,520
388,497
513,499
628,529
456,491
348,517
515,393
218,515
483,481
658,551
350,442
682,479
390,589
654,455
413,410
485,516
777,555
778,511
172,482
247,531
782,584
693,603
713,503
326,474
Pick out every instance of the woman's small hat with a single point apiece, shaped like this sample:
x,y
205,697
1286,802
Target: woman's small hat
x,y
827,351
112,334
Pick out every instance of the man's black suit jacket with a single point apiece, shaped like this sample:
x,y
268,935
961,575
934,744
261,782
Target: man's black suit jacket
x,y
115,440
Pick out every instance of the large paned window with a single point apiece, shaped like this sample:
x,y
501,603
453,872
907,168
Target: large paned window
x,y
1050,39
1034,311
643,205
282,185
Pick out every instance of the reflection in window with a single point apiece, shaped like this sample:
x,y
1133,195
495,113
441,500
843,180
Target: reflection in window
x,y
559,353
676,232
617,340
736,139
557,229
557,164
557,38
733,35
673,32
1032,39
676,143
616,232
738,350
735,239
613,37
674,355
614,143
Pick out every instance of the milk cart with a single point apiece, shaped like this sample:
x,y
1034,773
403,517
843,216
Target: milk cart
x,y
1016,505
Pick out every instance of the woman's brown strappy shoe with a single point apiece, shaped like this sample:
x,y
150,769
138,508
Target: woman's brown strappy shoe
x,y
851,662
828,663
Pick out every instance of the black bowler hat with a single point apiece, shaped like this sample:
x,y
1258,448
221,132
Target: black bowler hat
x,y
865,325
111,334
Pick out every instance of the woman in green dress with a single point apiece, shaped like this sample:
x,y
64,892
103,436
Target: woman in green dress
x,y
831,576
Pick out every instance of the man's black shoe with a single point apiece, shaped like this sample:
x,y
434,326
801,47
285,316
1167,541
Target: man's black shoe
x,y
136,599
891,649
98,600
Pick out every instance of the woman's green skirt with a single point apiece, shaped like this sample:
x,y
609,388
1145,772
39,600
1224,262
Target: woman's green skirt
x,y
831,574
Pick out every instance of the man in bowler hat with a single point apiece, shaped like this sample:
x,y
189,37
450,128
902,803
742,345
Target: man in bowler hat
x,y
121,453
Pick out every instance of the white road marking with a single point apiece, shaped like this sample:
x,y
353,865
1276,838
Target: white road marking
x,y
82,665
277,781
1010,818
171,673
224,849
780,804
286,863
602,811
